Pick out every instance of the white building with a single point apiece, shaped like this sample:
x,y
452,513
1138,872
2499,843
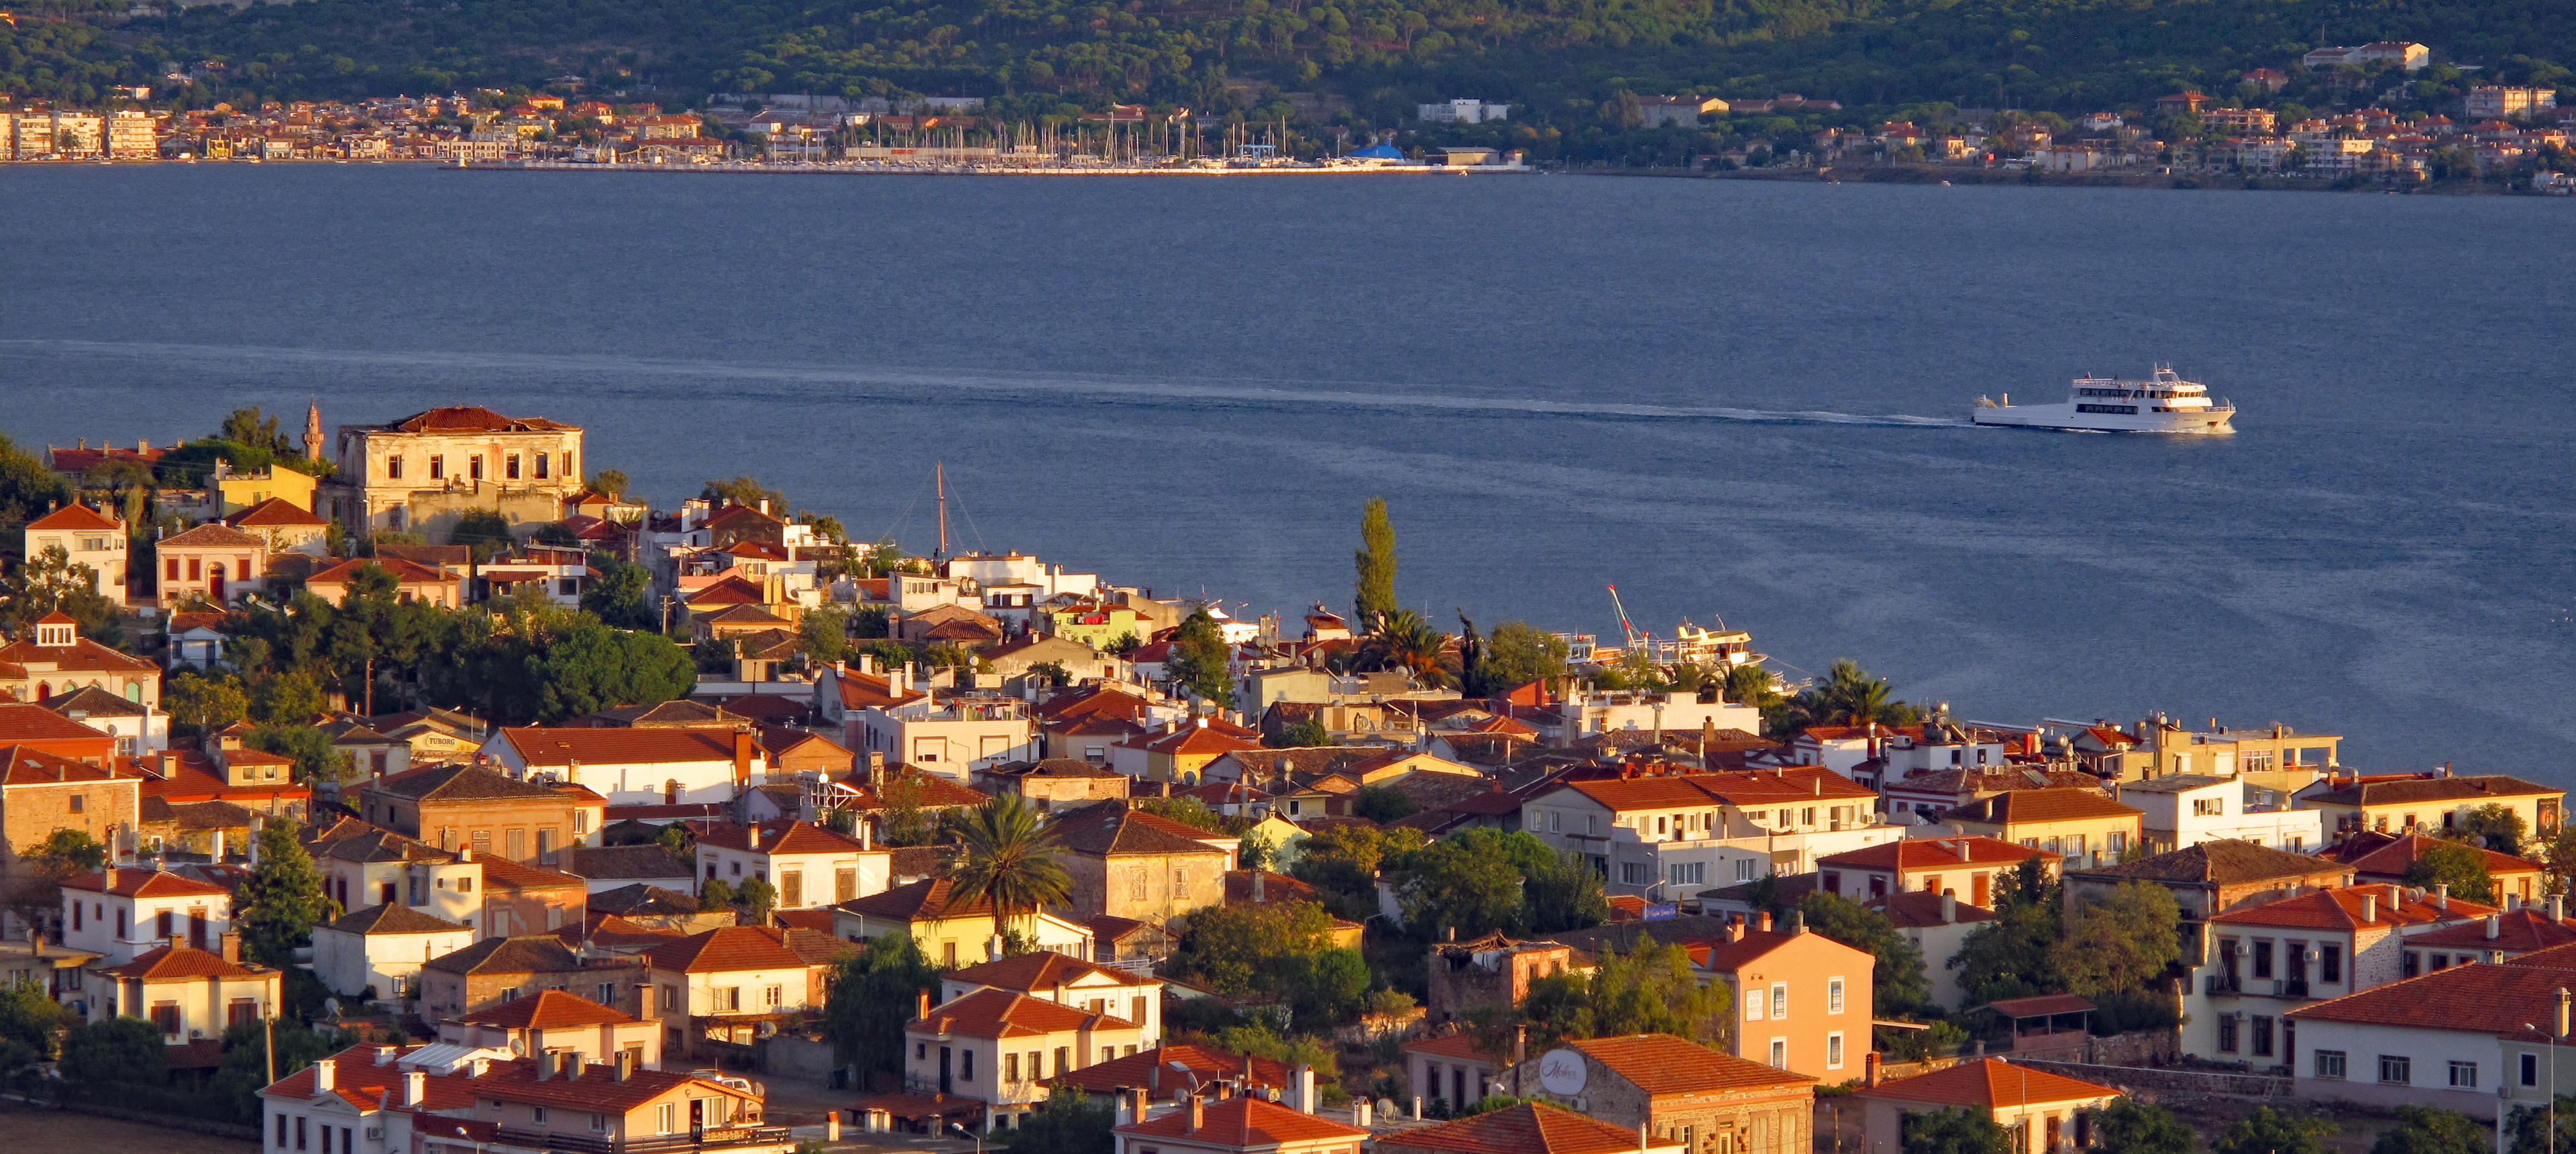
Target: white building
x,y
634,766
1464,111
1670,837
1937,924
87,537
382,948
951,734
2496,102
2184,810
1067,981
1603,711
811,867
119,914
2468,1038
129,136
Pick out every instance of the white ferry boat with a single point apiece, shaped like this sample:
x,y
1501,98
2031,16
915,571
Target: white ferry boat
x,y
2163,403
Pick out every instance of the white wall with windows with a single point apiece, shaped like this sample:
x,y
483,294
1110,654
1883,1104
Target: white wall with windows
x,y
2385,1065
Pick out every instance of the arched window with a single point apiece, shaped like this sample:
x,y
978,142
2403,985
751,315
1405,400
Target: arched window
x,y
134,691
44,691
671,792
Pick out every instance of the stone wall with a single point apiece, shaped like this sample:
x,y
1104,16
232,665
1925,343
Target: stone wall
x,y
2170,1085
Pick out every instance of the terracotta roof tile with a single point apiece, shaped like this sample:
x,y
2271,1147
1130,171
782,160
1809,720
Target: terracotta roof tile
x,y
2042,805
561,745
183,963
995,1013
1664,1064
2223,862
125,883
2482,999
777,837
1247,1122
2519,931
1110,828
1529,1128
2416,790
1920,853
393,918
549,1010
1040,970
213,536
1185,1068
275,513
1988,1083
2341,909
76,516
728,948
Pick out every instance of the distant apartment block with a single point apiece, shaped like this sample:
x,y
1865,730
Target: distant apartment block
x,y
2403,53
2495,102
1464,111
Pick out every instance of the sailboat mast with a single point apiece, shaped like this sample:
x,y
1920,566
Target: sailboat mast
x,y
940,471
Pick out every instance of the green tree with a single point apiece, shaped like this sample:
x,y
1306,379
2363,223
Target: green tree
x,y
1343,861
287,699
2461,867
36,894
115,1051
2011,956
621,596
2527,1128
2119,943
1518,653
1451,884
1752,685
1957,1130
1067,1123
1383,803
2266,1131
1201,660
756,899
1054,672
2132,1127
2496,827
1406,640
2426,1130
745,491
593,667
823,635
282,900
1649,990
1849,696
1374,593
1239,951
1005,855
245,1067
316,763
31,1018
610,483
247,428
202,703
51,581
28,489
1305,733
715,895
870,994
1900,986
485,531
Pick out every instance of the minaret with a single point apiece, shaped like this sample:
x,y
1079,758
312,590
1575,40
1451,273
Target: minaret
x,y
313,430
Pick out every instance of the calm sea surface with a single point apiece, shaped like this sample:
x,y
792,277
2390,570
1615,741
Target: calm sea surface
x,y
1727,398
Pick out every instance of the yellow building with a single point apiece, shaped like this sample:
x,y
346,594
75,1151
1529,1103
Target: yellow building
x,y
949,930
2085,827
2430,804
234,492
2277,757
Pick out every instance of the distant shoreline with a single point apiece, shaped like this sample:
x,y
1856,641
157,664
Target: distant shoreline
x,y
2174,181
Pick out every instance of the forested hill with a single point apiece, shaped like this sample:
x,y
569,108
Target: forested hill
x,y
1381,55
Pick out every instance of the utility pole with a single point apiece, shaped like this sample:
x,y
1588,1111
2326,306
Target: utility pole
x,y
666,614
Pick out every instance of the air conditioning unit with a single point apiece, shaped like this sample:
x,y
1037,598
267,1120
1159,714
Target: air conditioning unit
x,y
2309,955
2243,950
375,1133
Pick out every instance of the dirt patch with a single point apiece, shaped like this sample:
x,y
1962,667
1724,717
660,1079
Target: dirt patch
x,y
60,1130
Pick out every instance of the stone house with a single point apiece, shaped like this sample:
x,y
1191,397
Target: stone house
x,y
215,562
1672,1089
497,970
2213,877
466,806
1131,864
44,792
1489,971
1058,783
422,472
1450,1070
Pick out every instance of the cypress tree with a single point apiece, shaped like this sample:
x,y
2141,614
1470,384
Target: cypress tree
x,y
1376,562
282,900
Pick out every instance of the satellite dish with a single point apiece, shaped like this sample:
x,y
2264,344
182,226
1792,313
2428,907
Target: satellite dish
x,y
331,1006
1561,1072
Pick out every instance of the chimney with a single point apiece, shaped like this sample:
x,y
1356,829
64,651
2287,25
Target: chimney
x,y
755,834
1198,1105
922,1006
625,1064
1949,910
545,1065
1869,1068
2370,907
1734,930
2442,897
415,1087
572,1064
2561,1020
464,853
2495,926
1306,1089
1797,922
230,944
742,752
1766,921
326,1072
1153,1083
1520,1043
385,1054
2557,907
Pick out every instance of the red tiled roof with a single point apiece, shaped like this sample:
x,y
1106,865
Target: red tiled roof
x,y
1920,853
2519,931
359,1082
1195,739
561,745
2042,805
929,899
2390,855
213,536
20,765
776,837
275,512
549,1010
81,656
1199,1066
125,883
1041,970
2413,789
729,948
1110,827
1911,909
994,1013
475,419
76,516
1664,1064
404,572
2341,909
1988,1083
597,1089
183,963
1529,1128
2497,999
1246,1122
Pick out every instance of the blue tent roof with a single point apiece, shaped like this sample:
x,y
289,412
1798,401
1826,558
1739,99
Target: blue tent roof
x,y
1379,152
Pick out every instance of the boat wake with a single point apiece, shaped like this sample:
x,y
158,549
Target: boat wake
x,y
921,384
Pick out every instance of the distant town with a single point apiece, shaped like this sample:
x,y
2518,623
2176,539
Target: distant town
x,y
2513,138
418,781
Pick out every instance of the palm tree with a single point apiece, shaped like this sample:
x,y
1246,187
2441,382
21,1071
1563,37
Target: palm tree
x,y
1851,696
1750,685
1405,640
1003,856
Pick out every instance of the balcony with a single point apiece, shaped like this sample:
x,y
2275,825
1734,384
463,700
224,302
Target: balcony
x,y
2290,988
2217,984
712,1138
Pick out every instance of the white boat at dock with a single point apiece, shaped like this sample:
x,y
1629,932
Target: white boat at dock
x,y
2163,403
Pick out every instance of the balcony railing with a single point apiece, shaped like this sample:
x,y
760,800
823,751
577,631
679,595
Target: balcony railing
x,y
2216,984
711,1138
2290,987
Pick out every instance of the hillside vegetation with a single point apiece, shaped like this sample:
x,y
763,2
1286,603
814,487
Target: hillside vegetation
x,y
1550,57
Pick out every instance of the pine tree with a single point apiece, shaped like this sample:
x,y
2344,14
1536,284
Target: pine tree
x,y
1376,562
282,900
